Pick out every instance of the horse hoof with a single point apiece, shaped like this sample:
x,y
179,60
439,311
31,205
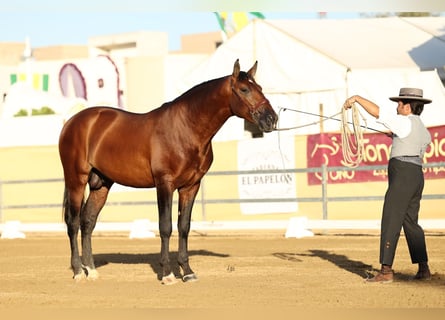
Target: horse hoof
x,y
79,276
169,280
92,274
190,278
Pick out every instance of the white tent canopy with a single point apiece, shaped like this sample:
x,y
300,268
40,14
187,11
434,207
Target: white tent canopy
x,y
313,65
380,84
284,65
374,43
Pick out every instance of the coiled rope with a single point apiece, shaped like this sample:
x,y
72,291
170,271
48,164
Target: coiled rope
x,y
352,140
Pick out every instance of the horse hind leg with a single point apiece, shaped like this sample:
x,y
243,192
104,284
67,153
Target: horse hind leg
x,y
99,187
72,203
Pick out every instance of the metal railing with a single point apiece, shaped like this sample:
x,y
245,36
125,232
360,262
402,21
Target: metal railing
x,y
203,201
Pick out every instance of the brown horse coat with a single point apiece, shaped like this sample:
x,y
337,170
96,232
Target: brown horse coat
x,y
168,148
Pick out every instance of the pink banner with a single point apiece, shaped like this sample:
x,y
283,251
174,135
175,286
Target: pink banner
x,y
326,148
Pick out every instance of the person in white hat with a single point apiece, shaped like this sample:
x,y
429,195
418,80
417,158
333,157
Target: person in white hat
x,y
405,180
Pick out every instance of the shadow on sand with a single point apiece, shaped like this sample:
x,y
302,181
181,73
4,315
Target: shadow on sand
x,y
151,259
357,267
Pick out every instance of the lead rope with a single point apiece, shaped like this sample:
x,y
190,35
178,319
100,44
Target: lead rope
x,y
352,140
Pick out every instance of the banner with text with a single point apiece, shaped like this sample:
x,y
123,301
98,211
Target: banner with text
x,y
266,154
325,148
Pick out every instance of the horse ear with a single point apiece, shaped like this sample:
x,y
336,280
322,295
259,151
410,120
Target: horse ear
x,y
236,69
252,70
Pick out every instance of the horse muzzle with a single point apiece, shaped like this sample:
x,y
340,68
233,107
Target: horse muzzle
x,y
267,120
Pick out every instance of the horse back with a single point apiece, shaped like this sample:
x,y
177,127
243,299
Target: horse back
x,y
111,141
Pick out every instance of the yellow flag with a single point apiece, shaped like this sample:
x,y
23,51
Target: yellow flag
x,y
240,20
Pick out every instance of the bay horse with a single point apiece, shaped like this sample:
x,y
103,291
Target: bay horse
x,y
168,148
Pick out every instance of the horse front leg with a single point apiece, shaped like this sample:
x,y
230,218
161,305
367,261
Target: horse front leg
x,y
165,200
186,199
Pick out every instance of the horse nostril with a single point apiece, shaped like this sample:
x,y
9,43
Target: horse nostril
x,y
272,120
268,123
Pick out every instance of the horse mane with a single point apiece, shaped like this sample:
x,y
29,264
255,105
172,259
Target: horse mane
x,y
199,88
202,87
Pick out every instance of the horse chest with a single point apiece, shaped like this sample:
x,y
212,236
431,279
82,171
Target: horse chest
x,y
194,167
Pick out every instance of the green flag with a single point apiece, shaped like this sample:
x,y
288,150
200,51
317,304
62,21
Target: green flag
x,y
221,21
258,15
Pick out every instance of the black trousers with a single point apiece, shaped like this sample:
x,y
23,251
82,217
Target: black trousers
x,y
401,209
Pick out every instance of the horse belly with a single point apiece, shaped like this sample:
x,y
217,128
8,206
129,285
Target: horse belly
x,y
141,182
125,172
123,164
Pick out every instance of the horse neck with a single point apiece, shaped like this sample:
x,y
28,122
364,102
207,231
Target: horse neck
x,y
207,106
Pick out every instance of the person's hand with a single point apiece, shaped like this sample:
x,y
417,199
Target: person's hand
x,y
349,102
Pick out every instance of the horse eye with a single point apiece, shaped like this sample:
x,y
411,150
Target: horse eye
x,y
245,90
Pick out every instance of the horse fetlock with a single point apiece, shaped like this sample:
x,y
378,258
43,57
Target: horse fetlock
x,y
79,276
186,270
91,273
190,278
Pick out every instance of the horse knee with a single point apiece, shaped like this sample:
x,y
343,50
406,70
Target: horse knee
x,y
165,231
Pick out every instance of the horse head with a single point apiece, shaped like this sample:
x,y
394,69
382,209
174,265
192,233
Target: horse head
x,y
248,100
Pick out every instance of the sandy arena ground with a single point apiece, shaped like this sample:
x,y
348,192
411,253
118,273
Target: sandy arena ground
x,y
235,270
